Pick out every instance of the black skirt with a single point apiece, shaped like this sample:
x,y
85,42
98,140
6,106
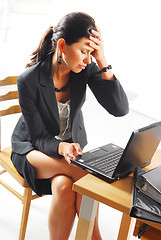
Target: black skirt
x,y
28,172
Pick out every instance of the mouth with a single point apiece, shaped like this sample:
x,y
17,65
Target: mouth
x,y
82,66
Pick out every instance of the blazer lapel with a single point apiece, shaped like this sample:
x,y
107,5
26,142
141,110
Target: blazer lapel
x,y
48,90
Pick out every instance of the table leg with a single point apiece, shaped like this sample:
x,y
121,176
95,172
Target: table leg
x,y
86,220
126,227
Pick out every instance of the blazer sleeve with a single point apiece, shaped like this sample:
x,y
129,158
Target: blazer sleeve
x,y
38,134
110,94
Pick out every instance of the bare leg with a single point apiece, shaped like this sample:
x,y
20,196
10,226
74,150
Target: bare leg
x,y
62,209
62,177
48,167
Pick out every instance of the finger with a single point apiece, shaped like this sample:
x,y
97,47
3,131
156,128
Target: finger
x,y
94,46
71,156
78,149
96,33
98,29
67,158
95,40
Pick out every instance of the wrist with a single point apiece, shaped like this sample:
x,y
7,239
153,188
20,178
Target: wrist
x,y
102,63
106,72
105,69
60,148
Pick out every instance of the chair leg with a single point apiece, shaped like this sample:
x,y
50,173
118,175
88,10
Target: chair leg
x,y
25,212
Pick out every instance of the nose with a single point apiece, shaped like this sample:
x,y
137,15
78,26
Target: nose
x,y
87,59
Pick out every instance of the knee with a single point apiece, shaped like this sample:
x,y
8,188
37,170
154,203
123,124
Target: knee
x,y
62,188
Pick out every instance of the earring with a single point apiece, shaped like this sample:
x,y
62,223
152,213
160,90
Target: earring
x,y
59,61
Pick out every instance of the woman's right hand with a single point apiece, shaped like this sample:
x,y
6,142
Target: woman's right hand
x,y
69,150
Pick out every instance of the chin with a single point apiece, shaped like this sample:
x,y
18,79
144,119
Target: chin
x,y
77,70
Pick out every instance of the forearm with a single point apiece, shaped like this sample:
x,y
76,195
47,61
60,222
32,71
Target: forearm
x,y
105,75
47,144
109,94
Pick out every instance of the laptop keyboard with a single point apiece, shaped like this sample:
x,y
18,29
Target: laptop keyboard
x,y
106,163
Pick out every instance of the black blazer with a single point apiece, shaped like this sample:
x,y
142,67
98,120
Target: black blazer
x,y
39,123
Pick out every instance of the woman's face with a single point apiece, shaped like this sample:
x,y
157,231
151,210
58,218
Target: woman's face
x,y
78,55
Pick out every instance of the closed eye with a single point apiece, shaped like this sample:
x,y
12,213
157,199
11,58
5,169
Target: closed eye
x,y
83,52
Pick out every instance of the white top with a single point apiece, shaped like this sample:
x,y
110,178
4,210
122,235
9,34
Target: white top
x,y
65,121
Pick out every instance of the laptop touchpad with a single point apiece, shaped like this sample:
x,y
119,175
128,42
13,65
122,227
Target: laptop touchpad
x,y
98,152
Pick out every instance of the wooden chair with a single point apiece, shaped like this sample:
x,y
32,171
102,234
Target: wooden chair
x,y
6,162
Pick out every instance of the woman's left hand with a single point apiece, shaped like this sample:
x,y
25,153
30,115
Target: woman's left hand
x,y
97,44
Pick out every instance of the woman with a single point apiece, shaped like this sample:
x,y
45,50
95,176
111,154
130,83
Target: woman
x,y
51,130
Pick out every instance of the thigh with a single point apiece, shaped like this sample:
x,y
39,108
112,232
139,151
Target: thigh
x,y
48,167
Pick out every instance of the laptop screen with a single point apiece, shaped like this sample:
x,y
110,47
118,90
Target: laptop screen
x,y
140,149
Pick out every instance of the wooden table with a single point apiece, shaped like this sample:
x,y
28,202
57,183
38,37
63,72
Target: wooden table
x,y
117,195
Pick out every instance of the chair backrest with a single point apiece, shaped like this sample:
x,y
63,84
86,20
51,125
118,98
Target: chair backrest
x,y
9,95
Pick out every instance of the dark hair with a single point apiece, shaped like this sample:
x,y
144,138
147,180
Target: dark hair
x,y
71,27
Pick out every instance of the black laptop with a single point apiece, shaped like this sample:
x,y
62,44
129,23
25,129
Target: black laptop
x,y
111,162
